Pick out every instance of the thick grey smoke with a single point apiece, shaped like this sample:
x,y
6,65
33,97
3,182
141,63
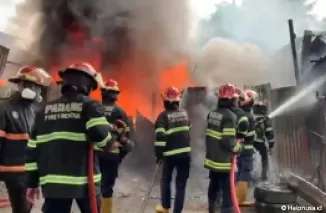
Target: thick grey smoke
x,y
257,23
223,60
151,34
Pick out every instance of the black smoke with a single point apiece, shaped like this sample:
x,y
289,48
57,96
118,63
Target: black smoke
x,y
151,34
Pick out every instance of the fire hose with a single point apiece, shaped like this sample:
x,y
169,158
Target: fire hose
x,y
119,124
150,187
232,184
4,202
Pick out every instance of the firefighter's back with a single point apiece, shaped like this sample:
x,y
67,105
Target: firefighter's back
x,y
62,148
218,156
177,134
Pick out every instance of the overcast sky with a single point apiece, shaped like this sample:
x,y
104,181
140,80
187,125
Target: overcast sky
x,y
202,8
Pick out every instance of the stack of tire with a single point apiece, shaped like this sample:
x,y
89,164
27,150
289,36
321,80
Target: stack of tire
x,y
274,198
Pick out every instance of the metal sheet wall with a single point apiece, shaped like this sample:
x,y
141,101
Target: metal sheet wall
x,y
298,133
4,52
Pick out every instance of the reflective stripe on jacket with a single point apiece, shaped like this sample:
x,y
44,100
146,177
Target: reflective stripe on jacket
x,y
172,133
221,139
242,123
16,118
248,143
57,152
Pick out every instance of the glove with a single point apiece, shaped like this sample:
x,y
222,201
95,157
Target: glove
x,y
32,194
121,127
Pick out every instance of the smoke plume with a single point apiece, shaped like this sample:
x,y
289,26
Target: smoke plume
x,y
222,61
254,22
150,35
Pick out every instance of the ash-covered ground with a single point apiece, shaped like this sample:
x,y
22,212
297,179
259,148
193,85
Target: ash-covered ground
x,y
132,187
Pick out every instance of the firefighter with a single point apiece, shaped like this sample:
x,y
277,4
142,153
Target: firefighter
x,y
221,146
245,158
264,131
16,120
110,161
57,152
172,148
241,129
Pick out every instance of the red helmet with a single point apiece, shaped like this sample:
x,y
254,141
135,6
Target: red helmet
x,y
32,74
227,91
171,94
83,67
111,85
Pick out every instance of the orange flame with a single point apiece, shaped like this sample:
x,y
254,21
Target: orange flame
x,y
139,90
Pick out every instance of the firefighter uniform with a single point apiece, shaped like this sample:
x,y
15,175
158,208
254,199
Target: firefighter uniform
x,y
172,146
245,159
241,133
16,119
221,146
264,131
110,161
57,154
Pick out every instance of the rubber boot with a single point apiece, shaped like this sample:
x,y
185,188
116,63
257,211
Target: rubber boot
x,y
160,209
243,190
240,191
106,205
211,206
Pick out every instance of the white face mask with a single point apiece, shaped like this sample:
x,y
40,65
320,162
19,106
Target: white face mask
x,y
29,94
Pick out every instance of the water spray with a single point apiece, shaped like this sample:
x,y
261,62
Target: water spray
x,y
297,97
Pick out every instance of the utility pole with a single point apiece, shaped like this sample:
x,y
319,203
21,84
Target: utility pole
x,y
294,50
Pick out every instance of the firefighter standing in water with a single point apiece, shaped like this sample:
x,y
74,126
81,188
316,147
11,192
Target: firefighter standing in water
x,y
57,154
221,146
264,131
110,161
245,159
172,148
16,120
